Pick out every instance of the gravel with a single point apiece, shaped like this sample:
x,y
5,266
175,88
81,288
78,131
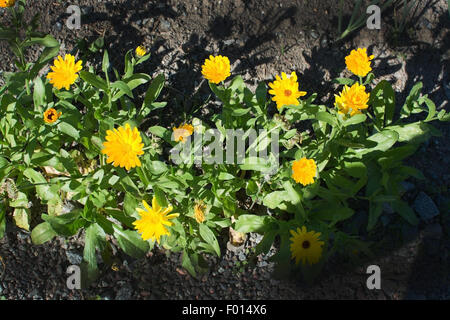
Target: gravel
x,y
425,207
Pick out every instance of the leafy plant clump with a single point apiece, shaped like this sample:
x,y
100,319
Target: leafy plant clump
x,y
73,150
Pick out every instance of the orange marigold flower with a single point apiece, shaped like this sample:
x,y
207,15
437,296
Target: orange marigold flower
x,y
123,146
7,3
216,69
352,99
358,62
304,171
51,115
285,90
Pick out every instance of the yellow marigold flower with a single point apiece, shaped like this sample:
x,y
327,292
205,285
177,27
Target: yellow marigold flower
x,y
140,51
123,146
64,71
199,211
306,246
358,62
51,115
154,220
304,171
181,133
352,100
216,69
285,90
7,3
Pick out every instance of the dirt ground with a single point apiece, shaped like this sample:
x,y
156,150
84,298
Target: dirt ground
x,y
262,38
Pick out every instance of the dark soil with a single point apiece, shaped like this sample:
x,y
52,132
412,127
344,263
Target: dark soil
x,y
261,38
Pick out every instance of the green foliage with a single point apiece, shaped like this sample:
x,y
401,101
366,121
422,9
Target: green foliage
x,y
358,158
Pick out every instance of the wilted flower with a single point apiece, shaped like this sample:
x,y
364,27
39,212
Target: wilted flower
x,y
181,133
64,71
216,69
285,90
123,146
199,211
306,246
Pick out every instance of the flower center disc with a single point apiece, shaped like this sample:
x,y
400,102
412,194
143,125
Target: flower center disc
x,y
306,244
287,92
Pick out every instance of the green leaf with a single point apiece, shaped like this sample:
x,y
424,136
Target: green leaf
x,y
47,41
7,34
47,54
154,90
240,112
266,243
411,99
225,176
383,141
3,162
261,93
42,233
160,197
410,171
375,211
187,263
105,63
209,237
67,224
431,109
68,129
416,132
39,92
157,167
42,188
95,238
251,188
123,89
161,133
252,223
131,242
344,81
2,219
356,119
403,209
326,117
256,164
389,100
237,84
274,199
97,143
94,80
355,169
293,194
